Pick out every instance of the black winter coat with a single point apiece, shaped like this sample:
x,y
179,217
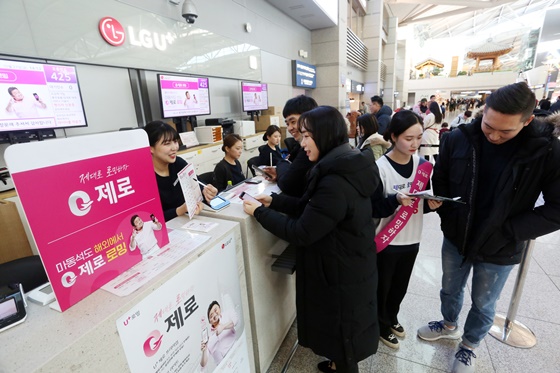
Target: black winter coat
x,y
535,167
336,266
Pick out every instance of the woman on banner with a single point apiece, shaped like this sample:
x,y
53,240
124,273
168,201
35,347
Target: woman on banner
x,y
400,229
331,227
164,144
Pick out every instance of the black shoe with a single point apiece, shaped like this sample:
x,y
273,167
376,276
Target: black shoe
x,y
389,340
325,366
398,330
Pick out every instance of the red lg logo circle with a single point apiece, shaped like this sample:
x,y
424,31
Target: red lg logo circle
x,y
112,31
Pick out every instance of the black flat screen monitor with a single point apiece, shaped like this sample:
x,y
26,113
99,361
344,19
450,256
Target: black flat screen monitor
x,y
183,96
39,96
255,96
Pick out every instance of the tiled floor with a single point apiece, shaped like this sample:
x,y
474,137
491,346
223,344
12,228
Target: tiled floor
x,y
539,309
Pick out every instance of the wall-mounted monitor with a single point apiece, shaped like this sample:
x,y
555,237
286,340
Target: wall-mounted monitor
x,y
39,96
183,96
255,96
304,75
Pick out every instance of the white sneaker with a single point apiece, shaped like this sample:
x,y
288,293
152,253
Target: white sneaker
x,y
464,360
436,330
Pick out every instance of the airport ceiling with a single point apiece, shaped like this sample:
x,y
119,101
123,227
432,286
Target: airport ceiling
x,y
472,22
433,19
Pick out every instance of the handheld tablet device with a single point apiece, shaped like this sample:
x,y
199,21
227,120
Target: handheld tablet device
x,y
218,203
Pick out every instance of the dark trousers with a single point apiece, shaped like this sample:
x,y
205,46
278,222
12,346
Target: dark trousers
x,y
343,367
394,267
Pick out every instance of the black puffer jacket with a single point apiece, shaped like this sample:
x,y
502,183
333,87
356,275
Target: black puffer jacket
x,y
336,269
535,167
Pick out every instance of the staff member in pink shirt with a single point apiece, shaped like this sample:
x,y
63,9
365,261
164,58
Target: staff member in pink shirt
x,y
221,336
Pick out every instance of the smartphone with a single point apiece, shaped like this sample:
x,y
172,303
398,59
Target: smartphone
x,y
253,181
247,197
205,335
261,172
36,96
218,203
153,217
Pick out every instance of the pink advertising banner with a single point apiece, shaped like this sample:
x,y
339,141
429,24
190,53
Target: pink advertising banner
x,y
193,322
94,214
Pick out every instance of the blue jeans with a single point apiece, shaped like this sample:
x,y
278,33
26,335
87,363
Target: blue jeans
x,y
487,284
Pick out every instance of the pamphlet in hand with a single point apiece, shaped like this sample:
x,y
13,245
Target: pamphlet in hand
x,y
191,190
427,194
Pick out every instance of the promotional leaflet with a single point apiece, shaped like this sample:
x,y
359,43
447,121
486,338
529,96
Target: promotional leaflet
x,y
93,207
189,185
192,323
181,244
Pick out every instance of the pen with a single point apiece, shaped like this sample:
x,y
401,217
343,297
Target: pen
x,y
200,182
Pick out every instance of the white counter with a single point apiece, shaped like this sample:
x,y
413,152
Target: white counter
x,y
85,338
271,295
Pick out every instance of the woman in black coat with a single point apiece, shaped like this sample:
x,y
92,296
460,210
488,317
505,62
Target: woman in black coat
x,y
331,225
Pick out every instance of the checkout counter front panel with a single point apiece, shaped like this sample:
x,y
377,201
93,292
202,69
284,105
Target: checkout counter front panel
x,y
84,338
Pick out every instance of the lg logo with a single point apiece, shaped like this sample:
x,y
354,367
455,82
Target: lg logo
x,y
112,31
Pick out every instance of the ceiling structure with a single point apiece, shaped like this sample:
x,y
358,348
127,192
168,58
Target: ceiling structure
x,y
479,21
506,22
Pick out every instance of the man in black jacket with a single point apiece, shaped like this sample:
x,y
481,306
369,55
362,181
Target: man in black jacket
x,y
291,174
381,112
498,164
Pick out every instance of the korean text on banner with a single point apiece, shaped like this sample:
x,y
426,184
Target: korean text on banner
x,y
92,205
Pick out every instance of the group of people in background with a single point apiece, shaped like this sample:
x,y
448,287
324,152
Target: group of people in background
x,y
351,212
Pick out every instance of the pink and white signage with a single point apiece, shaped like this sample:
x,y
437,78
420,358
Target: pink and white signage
x,y
93,207
192,323
36,96
183,96
255,96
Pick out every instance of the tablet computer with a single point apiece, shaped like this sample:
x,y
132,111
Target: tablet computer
x,y
218,203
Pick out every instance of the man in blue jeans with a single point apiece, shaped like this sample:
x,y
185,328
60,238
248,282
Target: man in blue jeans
x,y
498,165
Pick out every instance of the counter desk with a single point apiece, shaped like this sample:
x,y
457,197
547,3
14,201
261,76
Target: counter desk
x,y
84,338
271,295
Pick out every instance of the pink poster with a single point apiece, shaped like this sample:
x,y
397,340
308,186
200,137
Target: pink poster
x,y
93,217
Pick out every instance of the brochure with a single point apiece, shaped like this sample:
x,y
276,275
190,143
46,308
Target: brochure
x,y
427,194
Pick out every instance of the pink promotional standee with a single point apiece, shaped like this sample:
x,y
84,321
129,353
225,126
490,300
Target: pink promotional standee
x,y
404,213
85,199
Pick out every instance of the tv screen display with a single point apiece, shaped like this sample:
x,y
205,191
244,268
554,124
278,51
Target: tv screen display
x,y
183,96
255,96
35,96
